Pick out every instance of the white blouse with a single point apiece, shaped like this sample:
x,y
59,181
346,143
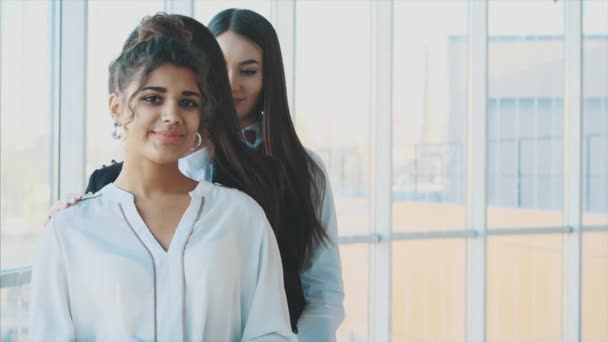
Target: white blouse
x,y
100,275
321,278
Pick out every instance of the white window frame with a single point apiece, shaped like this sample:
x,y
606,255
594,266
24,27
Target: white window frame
x,y
573,163
72,96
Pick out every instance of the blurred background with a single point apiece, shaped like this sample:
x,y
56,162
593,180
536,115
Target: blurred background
x,y
466,143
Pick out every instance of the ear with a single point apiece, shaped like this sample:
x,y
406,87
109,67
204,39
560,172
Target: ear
x,y
115,107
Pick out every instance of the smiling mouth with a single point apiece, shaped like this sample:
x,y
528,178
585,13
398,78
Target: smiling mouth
x,y
168,137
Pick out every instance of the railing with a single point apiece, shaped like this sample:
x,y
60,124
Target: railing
x,y
14,284
14,304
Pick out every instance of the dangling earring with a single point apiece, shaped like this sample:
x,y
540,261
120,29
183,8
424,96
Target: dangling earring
x,y
199,142
116,135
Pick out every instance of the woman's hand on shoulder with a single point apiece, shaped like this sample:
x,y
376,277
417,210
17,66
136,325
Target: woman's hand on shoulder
x,y
69,201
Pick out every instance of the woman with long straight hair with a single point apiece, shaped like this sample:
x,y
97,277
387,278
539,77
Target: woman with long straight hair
x,y
155,255
255,67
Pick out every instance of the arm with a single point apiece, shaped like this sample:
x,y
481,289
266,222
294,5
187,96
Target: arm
x,y
322,280
49,306
268,317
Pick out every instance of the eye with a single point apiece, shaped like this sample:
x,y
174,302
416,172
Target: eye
x,y
152,99
248,72
187,103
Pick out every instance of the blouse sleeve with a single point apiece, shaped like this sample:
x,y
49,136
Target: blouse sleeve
x,y
322,279
267,316
49,306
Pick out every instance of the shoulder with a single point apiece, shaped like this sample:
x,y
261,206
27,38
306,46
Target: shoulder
x,y
239,212
232,200
90,206
317,160
319,174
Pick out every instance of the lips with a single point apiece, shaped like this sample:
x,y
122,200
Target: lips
x,y
168,137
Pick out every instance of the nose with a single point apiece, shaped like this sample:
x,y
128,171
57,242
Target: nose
x,y
233,77
172,113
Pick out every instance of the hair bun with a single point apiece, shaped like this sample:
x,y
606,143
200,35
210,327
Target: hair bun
x,y
162,25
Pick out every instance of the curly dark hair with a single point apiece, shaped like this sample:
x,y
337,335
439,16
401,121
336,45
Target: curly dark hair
x,y
159,39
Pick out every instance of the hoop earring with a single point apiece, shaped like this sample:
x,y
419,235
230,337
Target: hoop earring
x,y
116,135
199,143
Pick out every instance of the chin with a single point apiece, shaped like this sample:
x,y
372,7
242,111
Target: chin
x,y
241,115
166,157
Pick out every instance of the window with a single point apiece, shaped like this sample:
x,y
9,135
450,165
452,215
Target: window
x,y
525,114
332,114
28,115
525,138
430,45
28,176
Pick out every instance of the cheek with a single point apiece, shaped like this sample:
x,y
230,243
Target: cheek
x,y
193,122
138,127
254,93
257,86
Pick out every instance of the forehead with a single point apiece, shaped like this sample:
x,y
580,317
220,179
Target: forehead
x,y
237,48
172,75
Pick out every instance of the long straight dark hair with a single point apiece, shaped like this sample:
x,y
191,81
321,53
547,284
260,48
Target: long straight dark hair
x,y
235,164
280,138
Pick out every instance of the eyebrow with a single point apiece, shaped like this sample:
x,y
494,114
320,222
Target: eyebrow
x,y
250,61
164,90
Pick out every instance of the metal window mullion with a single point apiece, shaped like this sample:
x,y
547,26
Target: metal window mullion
x,y
283,17
572,170
183,7
72,96
381,142
475,323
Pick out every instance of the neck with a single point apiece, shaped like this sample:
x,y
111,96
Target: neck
x,y
249,120
146,179
246,123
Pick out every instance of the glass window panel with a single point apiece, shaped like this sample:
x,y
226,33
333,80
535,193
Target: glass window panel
x,y
332,116
14,312
27,126
525,114
524,288
595,113
355,273
429,115
428,286
204,10
595,287
105,43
